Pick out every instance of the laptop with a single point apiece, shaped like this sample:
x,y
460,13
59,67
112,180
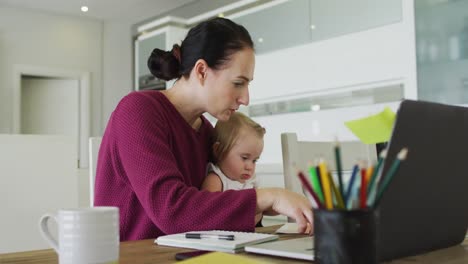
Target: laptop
x,y
426,204
425,207
298,248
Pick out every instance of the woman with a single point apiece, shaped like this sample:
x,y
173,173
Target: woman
x,y
153,157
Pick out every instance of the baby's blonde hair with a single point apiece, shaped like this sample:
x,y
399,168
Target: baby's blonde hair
x,y
227,132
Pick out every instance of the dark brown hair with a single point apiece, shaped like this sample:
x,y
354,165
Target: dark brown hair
x,y
213,40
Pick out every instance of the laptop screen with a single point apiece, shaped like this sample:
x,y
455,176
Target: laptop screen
x,y
426,205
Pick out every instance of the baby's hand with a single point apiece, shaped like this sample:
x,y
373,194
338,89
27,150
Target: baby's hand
x,y
258,217
309,230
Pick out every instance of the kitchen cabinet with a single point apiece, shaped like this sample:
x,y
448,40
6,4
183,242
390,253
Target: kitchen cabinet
x,y
277,27
332,18
283,24
163,38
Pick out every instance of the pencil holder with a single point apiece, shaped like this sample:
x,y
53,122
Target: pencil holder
x,y
345,236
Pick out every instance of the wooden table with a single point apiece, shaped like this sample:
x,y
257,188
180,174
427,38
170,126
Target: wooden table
x,y
146,252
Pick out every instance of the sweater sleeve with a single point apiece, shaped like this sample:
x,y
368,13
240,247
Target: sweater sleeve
x,y
144,150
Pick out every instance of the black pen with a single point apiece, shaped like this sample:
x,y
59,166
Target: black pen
x,y
211,236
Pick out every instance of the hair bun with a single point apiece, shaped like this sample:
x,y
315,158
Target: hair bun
x,y
176,53
164,64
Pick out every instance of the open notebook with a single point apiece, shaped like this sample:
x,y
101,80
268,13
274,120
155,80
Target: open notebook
x,y
241,239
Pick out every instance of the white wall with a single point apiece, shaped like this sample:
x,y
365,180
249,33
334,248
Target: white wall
x,y
50,106
38,176
41,39
118,67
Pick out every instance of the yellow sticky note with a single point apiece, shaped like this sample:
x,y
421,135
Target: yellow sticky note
x,y
220,257
375,128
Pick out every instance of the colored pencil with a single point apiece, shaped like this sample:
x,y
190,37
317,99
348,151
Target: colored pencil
x,y
389,176
309,189
363,189
351,182
326,188
339,198
375,178
317,170
377,169
314,179
369,172
339,168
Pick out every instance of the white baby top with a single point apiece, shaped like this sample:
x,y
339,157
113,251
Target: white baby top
x,y
229,184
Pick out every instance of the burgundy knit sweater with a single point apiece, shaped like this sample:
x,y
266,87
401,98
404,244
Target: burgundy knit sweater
x,y
151,165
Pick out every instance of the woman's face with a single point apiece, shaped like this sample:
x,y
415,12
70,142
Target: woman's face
x,y
228,87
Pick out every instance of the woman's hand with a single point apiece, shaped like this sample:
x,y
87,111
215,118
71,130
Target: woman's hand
x,y
281,201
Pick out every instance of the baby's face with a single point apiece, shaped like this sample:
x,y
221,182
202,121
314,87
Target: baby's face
x,y
239,164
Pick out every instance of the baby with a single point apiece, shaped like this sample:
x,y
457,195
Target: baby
x,y
238,145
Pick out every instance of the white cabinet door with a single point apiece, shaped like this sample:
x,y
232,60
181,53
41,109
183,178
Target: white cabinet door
x,y
277,27
163,39
332,18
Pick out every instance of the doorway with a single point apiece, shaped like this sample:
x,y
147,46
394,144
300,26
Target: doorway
x,y
49,106
52,101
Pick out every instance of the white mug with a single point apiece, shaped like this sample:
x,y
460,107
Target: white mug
x,y
85,235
